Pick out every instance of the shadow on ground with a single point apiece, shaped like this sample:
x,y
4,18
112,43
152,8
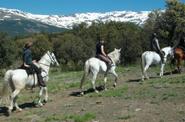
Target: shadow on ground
x,y
4,110
90,90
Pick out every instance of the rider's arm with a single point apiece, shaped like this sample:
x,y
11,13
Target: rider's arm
x,y
102,50
157,44
26,65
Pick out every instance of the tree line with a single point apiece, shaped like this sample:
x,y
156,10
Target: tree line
x,y
73,47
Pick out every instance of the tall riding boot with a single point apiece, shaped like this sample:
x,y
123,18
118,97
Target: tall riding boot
x,y
41,81
109,65
162,56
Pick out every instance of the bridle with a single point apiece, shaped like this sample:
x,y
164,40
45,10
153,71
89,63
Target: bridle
x,y
51,59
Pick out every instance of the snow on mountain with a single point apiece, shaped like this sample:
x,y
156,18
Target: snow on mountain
x,y
68,21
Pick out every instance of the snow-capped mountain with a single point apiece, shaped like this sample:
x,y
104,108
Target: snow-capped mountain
x,y
68,21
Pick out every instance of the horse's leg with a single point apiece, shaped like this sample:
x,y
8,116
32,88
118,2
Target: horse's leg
x,y
172,64
81,83
116,77
16,105
12,100
143,74
162,70
105,81
142,68
40,96
178,65
93,81
145,69
46,94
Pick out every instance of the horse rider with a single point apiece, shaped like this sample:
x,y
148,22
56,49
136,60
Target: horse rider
x,y
100,53
28,63
155,47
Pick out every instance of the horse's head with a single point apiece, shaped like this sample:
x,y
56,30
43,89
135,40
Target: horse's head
x,y
115,55
168,51
171,53
52,58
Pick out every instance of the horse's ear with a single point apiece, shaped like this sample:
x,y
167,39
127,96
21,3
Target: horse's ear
x,y
120,50
114,48
49,52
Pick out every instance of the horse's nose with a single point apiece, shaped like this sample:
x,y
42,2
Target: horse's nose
x,y
57,63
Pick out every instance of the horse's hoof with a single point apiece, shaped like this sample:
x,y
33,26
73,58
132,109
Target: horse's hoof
x,y
45,101
19,110
40,104
82,93
9,112
96,91
105,89
114,85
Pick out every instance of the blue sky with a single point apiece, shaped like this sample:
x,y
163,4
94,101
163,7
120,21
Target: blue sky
x,y
67,7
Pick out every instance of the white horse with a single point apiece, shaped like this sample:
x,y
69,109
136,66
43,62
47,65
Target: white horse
x,y
150,57
18,79
95,65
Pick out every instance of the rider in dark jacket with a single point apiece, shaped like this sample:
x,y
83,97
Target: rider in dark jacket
x,y
27,62
155,47
100,53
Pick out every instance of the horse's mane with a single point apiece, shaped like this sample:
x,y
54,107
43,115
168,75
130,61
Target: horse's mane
x,y
43,56
111,54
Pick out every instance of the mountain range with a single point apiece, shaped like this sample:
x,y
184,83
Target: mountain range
x,y
16,22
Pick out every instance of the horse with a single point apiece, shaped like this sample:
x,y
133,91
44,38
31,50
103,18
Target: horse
x,y
95,65
18,79
150,57
179,56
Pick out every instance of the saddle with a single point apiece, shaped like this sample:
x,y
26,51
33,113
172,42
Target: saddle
x,y
105,60
29,70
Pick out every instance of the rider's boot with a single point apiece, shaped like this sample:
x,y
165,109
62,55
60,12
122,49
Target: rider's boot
x,y
162,56
41,81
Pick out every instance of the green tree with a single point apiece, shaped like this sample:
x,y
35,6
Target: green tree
x,y
8,51
171,24
41,45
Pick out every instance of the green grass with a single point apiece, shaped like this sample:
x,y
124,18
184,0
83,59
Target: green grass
x,y
162,88
60,81
156,89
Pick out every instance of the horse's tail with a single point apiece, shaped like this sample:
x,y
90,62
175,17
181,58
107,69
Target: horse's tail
x,y
142,62
7,79
86,72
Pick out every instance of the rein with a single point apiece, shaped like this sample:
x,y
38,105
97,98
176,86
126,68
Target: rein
x,y
51,58
45,64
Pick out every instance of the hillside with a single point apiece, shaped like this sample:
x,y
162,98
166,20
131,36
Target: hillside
x,y
24,27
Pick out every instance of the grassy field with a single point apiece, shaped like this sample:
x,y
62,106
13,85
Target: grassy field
x,y
154,100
